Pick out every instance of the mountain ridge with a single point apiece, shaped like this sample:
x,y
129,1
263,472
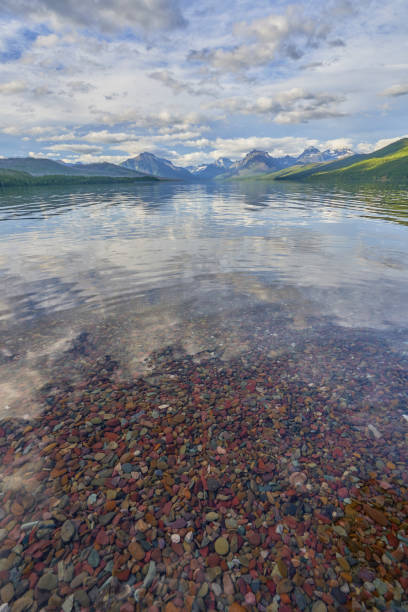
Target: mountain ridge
x,y
255,162
389,163
156,166
36,166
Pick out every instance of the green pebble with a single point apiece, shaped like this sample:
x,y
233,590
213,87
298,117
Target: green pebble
x,y
221,546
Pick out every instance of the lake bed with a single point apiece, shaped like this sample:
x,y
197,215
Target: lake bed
x,y
203,390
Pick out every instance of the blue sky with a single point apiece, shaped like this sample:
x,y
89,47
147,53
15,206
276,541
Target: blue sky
x,y
193,81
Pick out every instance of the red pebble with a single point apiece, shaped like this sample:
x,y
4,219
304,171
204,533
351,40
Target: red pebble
x,y
271,586
307,587
123,575
213,560
102,538
327,598
32,580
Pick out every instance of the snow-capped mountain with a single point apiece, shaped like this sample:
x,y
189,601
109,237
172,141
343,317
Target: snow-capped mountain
x,y
210,171
156,166
254,163
312,155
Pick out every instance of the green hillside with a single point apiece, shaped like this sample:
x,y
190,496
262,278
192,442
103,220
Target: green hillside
x,y
387,165
40,166
15,178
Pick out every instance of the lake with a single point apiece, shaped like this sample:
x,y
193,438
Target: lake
x,y
203,397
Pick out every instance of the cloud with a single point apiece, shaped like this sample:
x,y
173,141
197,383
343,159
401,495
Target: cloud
x,y
338,143
305,115
89,158
166,120
46,40
105,137
80,86
12,87
13,130
396,90
105,16
75,148
169,80
289,35
293,106
277,147
367,147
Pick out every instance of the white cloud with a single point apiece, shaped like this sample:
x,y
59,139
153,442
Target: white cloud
x,y
338,143
76,148
12,87
236,147
264,40
306,114
48,40
396,90
89,158
366,147
293,106
80,86
183,86
105,137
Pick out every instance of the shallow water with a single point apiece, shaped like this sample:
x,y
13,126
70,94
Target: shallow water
x,y
282,306
150,261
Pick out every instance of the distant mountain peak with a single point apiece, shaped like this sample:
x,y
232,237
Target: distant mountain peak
x,y
223,162
156,166
256,152
311,150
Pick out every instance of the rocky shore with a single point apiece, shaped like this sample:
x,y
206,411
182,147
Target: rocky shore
x,y
212,485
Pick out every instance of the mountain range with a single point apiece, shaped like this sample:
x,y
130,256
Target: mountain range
x,y
147,164
389,164
254,163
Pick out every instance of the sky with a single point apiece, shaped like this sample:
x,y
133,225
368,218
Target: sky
x,y
191,81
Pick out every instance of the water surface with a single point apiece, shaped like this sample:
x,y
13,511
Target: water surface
x,y
271,314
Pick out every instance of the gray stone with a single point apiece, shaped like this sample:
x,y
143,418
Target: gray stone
x,y
92,499
104,519
216,589
7,593
301,599
213,484
79,580
24,603
93,558
340,531
82,598
67,531
68,603
151,573
319,606
48,582
65,572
